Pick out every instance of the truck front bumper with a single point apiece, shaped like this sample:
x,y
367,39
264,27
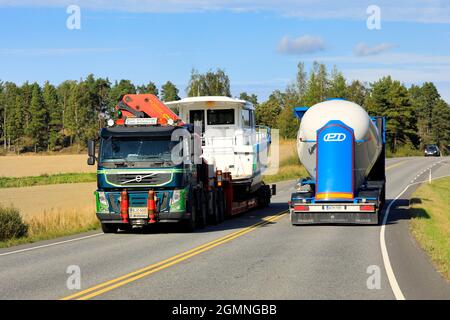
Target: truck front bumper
x,y
161,217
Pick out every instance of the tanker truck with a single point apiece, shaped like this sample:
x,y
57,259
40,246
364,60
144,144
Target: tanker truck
x,y
343,150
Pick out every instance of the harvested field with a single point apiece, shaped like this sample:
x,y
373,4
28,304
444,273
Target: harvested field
x,y
35,165
59,197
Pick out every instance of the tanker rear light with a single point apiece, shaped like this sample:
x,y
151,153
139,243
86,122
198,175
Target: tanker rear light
x,y
367,208
301,208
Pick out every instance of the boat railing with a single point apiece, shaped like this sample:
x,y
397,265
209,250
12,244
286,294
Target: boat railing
x,y
259,135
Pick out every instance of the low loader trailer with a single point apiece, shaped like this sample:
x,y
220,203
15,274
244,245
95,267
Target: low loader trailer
x,y
148,172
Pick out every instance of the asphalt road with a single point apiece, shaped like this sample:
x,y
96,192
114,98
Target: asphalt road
x,y
256,256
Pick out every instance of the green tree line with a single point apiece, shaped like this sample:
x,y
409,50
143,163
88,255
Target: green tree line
x,y
48,118
35,118
415,116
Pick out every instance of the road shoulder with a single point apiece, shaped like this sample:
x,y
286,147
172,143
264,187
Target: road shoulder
x,y
415,273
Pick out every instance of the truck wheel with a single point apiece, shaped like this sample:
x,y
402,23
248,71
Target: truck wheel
x,y
109,228
188,225
202,209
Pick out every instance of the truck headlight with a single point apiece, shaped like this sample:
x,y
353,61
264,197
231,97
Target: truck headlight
x,y
176,196
102,199
102,202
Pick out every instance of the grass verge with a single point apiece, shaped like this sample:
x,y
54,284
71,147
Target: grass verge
x,y
290,169
45,179
430,223
53,224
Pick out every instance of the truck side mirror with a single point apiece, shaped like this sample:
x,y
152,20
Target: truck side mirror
x,y
91,152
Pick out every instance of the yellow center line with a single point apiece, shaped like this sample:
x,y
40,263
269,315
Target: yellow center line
x,y
395,165
135,275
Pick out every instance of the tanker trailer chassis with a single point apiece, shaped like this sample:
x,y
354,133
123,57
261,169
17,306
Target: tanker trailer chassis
x,y
364,209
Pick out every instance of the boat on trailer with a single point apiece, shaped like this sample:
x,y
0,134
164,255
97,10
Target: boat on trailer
x,y
231,140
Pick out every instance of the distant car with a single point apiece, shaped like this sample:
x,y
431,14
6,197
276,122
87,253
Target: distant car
x,y
432,150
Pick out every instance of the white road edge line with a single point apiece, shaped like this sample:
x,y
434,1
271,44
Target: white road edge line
x,y
387,263
51,244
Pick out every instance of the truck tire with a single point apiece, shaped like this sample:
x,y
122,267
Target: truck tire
x,y
202,206
188,225
109,228
264,196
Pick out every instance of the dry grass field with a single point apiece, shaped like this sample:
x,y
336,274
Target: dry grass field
x,y
35,165
288,149
57,197
52,210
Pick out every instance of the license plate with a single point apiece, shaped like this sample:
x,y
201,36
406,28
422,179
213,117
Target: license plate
x,y
138,212
334,208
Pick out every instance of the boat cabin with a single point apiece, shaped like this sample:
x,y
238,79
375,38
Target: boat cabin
x,y
230,138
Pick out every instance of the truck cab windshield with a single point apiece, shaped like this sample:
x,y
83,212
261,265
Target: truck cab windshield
x,y
137,152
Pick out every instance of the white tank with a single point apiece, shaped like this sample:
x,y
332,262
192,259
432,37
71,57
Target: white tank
x,y
367,139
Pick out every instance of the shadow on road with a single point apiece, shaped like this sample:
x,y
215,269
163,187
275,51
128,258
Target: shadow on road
x,y
236,222
401,210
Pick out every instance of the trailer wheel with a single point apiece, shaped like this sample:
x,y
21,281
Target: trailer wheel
x,y
109,228
264,194
213,207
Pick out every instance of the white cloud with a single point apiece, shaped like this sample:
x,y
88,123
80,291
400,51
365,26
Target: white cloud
x,y
430,11
363,50
301,45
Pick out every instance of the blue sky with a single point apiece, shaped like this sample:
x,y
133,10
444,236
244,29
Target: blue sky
x,y
258,43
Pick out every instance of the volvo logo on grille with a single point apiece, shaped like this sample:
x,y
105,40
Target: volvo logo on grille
x,y
338,137
140,178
